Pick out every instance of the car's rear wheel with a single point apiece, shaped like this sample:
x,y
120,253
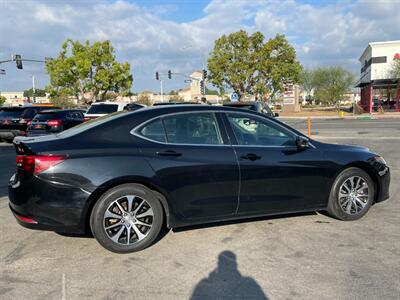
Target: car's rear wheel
x,y
351,195
127,218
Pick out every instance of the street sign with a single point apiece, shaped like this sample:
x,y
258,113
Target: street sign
x,y
2,72
234,97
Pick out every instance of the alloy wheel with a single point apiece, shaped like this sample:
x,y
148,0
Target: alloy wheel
x,y
128,220
353,195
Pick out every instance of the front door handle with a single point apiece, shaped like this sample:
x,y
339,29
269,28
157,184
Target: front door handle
x,y
168,153
251,156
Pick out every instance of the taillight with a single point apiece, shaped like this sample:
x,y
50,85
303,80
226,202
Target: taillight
x,y
38,163
85,119
25,219
54,123
29,123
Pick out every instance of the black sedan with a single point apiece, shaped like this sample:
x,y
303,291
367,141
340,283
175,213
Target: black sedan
x,y
126,175
54,121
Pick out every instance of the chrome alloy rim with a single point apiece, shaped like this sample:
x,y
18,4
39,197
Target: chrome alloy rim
x,y
128,220
353,195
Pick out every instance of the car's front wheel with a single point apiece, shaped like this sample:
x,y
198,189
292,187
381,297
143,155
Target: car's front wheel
x,y
127,218
351,195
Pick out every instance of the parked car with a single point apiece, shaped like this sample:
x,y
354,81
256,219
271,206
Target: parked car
x,y
14,120
125,175
254,105
133,106
54,121
99,109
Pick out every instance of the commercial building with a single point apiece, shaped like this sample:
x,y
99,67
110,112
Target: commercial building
x,y
378,87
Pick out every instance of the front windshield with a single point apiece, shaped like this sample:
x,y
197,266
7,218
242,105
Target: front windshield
x,y
89,124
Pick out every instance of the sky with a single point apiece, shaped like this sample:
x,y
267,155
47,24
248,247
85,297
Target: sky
x,y
177,35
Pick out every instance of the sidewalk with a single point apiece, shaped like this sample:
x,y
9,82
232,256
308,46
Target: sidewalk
x,y
374,116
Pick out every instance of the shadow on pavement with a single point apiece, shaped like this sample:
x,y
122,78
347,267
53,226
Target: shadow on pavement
x,y
226,282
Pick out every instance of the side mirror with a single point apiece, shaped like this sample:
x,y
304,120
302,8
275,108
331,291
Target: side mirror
x,y
276,115
302,143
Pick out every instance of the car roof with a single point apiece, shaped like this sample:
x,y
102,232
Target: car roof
x,y
165,109
57,110
108,103
240,103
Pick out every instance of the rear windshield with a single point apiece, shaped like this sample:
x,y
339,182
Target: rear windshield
x,y
102,109
30,112
90,124
47,115
9,113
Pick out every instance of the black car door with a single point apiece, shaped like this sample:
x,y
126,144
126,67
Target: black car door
x,y
275,175
193,162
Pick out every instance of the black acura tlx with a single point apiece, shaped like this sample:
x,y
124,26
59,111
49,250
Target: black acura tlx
x,y
126,175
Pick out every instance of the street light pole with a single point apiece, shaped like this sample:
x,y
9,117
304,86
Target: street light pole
x,y
161,90
33,89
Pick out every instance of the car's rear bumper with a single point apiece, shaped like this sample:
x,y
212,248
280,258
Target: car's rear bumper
x,y
44,205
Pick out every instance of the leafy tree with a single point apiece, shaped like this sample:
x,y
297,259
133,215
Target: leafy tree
x,y
87,71
307,82
172,92
394,71
2,100
331,83
248,65
38,93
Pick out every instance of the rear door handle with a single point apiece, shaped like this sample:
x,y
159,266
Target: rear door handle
x,y
251,156
169,153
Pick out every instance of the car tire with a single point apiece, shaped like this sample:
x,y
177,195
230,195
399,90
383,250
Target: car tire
x,y
121,229
352,195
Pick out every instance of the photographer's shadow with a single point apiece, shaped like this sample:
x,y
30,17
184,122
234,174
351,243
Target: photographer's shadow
x,y
226,282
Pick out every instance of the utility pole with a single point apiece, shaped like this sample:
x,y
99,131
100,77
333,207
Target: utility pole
x,y
33,89
161,90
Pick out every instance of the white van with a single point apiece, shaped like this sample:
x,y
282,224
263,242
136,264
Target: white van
x,y
99,109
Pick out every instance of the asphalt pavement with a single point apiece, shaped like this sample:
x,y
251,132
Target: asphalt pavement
x,y
301,256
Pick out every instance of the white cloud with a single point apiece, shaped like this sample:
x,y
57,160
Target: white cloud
x,y
330,33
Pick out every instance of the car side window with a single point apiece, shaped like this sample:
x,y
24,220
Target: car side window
x,y
153,131
192,128
250,130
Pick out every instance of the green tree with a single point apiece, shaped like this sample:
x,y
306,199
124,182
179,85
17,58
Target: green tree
x,y
172,92
248,65
87,71
307,82
394,71
211,92
331,83
2,100
38,93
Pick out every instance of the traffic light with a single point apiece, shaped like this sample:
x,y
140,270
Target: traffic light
x,y
18,61
169,74
202,87
204,74
157,76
